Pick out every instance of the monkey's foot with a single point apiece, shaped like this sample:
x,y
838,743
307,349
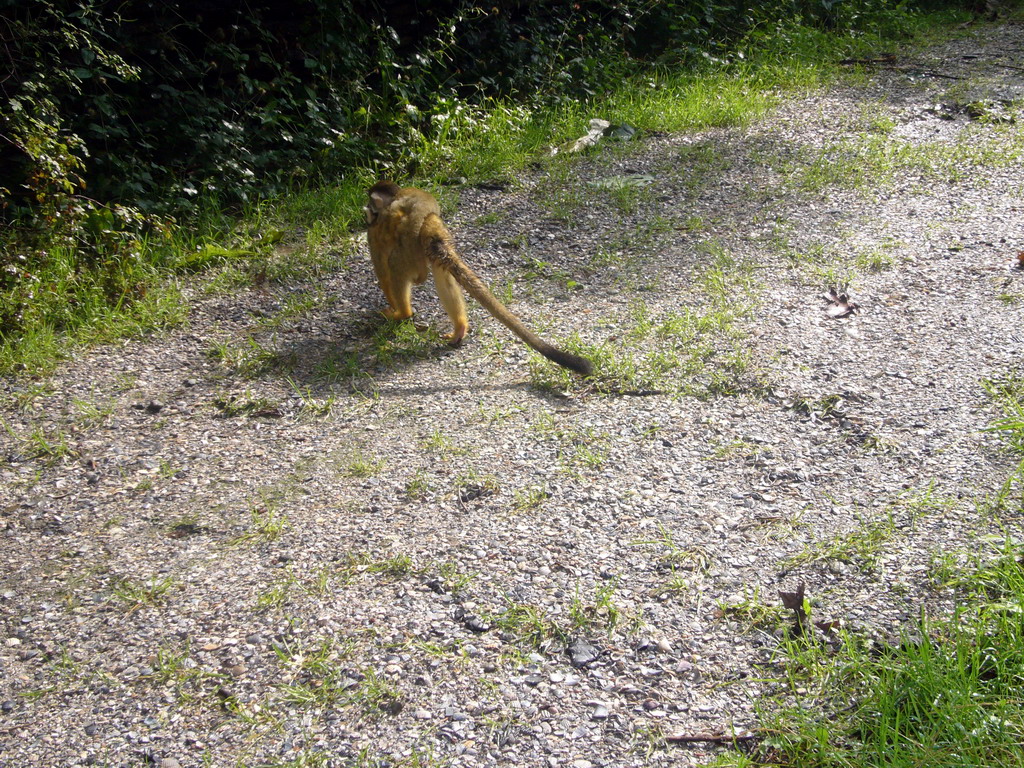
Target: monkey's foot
x,y
394,314
457,335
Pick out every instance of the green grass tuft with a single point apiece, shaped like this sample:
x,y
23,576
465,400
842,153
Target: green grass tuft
x,y
947,693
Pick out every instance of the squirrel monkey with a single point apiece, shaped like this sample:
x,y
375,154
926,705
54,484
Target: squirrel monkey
x,y
405,235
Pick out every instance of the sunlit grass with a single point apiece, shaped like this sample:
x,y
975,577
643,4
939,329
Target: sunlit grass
x,y
946,692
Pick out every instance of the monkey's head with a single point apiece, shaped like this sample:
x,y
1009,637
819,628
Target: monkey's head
x,y
381,195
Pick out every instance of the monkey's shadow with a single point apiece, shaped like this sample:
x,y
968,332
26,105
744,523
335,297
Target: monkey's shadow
x,y
363,348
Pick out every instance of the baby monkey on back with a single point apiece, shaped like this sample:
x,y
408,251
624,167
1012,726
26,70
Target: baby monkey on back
x,y
405,235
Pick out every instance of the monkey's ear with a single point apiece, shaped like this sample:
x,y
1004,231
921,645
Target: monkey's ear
x,y
382,194
379,201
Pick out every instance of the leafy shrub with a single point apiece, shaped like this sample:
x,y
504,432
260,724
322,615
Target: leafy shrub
x,y
153,104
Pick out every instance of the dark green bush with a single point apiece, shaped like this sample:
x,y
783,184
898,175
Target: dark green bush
x,y
153,103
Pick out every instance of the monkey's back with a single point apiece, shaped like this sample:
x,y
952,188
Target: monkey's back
x,y
408,212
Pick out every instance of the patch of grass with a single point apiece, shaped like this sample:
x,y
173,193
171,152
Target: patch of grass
x,y
876,118
1008,394
751,611
491,217
403,341
872,443
485,143
505,292
168,470
442,445
319,582
471,485
208,255
246,404
532,627
582,451
25,396
640,316
266,524
329,688
1009,499
682,101
396,566
1010,299
418,486
698,164
672,556
528,624
320,257
317,678
822,407
732,449
690,351
453,578
578,448
360,466
278,593
945,695
600,612
607,257
292,305
529,498
313,406
125,382
627,194
341,366
174,667
875,160
822,266
559,193
135,594
539,269
90,413
70,301
923,500
34,694
875,260
51,445
861,547
249,358
336,209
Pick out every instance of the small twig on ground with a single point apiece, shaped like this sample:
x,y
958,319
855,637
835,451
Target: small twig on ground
x,y
927,72
711,738
889,61
885,58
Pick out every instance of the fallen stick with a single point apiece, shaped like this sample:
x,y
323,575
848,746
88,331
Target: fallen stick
x,y
693,738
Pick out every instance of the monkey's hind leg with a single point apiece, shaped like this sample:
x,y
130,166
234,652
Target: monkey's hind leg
x,y
451,299
400,298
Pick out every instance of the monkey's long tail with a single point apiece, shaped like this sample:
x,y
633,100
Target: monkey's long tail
x,y
441,250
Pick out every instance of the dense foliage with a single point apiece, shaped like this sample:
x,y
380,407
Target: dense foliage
x,y
151,103
116,115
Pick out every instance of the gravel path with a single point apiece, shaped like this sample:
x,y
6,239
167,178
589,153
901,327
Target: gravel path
x,y
277,537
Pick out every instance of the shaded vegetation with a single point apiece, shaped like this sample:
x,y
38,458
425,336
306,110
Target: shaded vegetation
x,y
152,104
